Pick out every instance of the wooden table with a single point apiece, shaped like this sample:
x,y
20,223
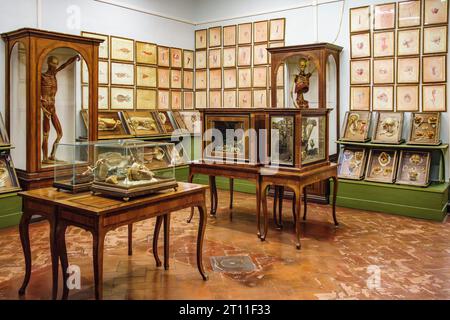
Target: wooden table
x,y
100,215
297,181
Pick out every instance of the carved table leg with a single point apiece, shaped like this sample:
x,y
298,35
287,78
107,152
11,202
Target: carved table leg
x,y
275,202
62,253
298,203
335,191
231,192
264,209
98,247
280,206
258,206
190,179
305,195
166,240
213,195
54,255
200,238
294,208
159,221
130,239
25,240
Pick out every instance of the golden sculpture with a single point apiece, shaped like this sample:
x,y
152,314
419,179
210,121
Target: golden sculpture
x,y
301,84
49,87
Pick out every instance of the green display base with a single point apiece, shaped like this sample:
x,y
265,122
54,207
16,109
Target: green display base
x,y
11,209
425,203
224,184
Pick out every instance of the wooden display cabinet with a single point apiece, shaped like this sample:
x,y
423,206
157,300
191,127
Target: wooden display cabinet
x,y
43,98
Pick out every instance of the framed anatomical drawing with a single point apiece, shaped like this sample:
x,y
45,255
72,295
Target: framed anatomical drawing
x,y
229,99
276,29
260,98
435,40
215,37
229,57
407,98
146,99
188,59
360,19
383,98
260,31
122,74
356,126
260,77
188,80
175,79
188,100
103,97
245,78
176,58
408,70
360,45
200,99
215,99
245,99
200,80
360,98
163,78
260,54
122,49
163,99
384,16
200,59
146,53
146,76
163,56
245,33
229,35
200,39
434,69
434,97
122,98
384,44
409,13
215,79
8,177
229,78
435,12
352,162
176,99
382,165
359,71
414,168
103,72
408,42
215,58
425,128
245,56
103,50
383,71
388,127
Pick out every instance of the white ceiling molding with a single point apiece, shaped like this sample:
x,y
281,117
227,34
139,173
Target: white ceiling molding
x,y
125,5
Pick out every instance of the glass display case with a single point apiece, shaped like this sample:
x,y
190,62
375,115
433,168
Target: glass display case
x,y
127,169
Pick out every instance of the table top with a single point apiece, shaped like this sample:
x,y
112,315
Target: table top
x,y
295,172
98,205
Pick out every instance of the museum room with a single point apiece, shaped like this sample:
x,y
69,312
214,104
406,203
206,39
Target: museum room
x,y
213,150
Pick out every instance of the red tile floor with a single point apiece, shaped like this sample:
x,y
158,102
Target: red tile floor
x,y
370,256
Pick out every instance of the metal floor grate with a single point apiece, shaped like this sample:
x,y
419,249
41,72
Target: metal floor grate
x,y
232,264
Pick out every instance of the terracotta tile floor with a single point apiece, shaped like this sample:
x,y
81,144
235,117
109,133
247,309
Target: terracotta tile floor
x,y
412,257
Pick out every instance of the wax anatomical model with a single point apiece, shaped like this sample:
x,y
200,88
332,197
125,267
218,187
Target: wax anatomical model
x,y
49,88
301,85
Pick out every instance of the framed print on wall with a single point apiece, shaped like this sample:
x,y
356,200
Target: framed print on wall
x,y
163,56
276,29
215,58
260,98
175,79
383,71
383,44
245,56
384,16
360,45
188,59
260,77
176,58
360,98
200,80
122,74
245,98
103,50
408,70
260,54
408,42
188,80
229,99
245,78
200,99
146,53
215,37
176,99
434,97
383,98
146,99
215,99
188,100
360,19
146,76
229,57
163,78
200,39
229,35
103,72
229,78
122,98
407,98
409,13
200,59
260,31
434,68
122,49
245,33
103,97
435,40
163,99
435,12
215,79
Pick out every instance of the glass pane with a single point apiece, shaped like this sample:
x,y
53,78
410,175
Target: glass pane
x,y
282,140
313,139
303,82
331,100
